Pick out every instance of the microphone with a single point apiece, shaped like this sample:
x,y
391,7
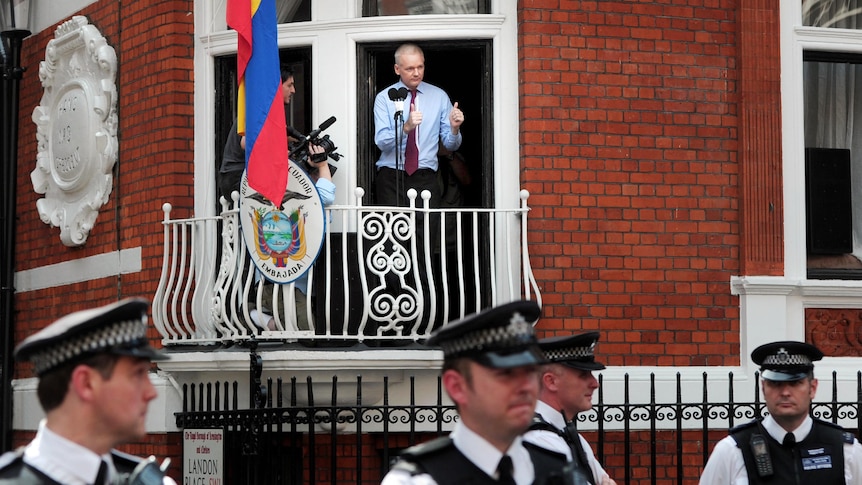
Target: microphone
x,y
398,96
304,139
326,124
294,133
311,136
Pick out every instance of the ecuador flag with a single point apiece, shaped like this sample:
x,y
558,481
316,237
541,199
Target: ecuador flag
x,y
260,109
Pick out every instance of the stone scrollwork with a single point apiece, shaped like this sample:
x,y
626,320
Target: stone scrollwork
x,y
76,129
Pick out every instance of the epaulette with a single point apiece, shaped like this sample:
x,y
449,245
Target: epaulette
x,y
121,459
829,423
541,449
847,437
11,457
429,447
744,426
539,424
407,460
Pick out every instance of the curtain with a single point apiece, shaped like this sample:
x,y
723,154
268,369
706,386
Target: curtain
x,y
285,10
833,98
842,14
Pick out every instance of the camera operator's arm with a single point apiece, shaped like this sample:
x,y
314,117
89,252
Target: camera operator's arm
x,y
317,159
323,176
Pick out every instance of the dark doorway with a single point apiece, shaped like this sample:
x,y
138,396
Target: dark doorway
x,y
462,68
298,112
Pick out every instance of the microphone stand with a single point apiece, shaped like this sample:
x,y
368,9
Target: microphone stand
x,y
399,160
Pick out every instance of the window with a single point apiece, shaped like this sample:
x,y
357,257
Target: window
x,y
840,14
298,112
287,11
374,8
832,85
471,88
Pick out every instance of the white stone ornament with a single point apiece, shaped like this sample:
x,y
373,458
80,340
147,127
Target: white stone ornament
x,y
76,129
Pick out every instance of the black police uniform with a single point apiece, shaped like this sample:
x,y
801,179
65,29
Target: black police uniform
x,y
442,460
14,470
116,329
570,436
501,337
577,352
819,458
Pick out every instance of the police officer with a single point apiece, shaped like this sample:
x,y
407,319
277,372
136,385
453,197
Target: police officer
x,y
787,446
566,386
490,370
94,386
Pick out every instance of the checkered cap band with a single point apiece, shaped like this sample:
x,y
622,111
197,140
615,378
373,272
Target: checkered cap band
x,y
571,353
119,334
783,358
517,333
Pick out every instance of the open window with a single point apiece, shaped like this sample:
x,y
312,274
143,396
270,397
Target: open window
x,y
298,112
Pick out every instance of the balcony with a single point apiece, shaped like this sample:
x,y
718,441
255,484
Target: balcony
x,y
380,279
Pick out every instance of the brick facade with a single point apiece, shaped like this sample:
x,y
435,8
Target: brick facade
x,y
154,46
629,116
639,136
155,162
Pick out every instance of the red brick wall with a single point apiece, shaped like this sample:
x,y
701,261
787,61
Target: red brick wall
x,y
154,46
155,164
629,143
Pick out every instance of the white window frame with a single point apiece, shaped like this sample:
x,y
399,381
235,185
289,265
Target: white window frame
x,y
773,307
333,33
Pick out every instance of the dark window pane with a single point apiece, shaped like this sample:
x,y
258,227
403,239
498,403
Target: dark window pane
x,y
833,140
838,14
374,8
287,11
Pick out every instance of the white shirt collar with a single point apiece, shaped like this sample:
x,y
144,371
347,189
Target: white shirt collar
x,y
63,460
549,414
485,456
777,432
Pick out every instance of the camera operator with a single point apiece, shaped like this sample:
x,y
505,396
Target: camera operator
x,y
233,157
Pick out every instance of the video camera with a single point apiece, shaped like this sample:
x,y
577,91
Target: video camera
x,y
299,149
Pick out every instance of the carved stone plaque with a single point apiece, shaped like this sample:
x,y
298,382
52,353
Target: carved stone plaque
x,y
76,129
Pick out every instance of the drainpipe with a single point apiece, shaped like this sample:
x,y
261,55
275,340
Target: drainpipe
x,y
12,74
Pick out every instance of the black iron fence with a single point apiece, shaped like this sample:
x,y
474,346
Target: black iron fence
x,y
286,435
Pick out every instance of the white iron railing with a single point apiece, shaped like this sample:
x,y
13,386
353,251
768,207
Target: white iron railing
x,y
377,277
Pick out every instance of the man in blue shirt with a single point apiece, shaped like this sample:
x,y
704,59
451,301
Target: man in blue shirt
x,y
429,118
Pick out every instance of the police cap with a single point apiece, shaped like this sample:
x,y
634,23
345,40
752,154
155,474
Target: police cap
x,y
119,328
575,351
786,361
500,337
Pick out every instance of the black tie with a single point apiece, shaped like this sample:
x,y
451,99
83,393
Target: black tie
x,y
504,471
789,440
579,456
102,476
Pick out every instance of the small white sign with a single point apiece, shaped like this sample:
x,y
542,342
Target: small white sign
x,y
203,457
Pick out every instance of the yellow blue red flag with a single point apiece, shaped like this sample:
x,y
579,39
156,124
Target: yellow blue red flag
x,y
260,103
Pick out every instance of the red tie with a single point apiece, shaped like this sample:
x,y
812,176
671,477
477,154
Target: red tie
x,y
411,153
